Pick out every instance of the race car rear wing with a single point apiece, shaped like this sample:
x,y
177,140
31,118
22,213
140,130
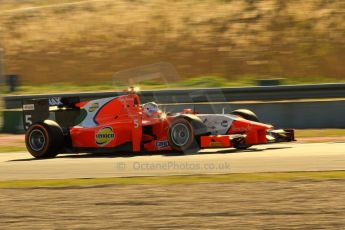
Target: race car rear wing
x,y
62,110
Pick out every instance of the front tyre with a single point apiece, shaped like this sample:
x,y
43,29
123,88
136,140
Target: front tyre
x,y
44,139
250,116
181,136
246,114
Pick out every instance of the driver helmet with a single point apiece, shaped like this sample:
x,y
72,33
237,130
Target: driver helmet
x,y
150,108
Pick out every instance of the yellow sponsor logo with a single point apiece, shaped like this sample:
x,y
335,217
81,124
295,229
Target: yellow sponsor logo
x,y
104,136
216,144
93,107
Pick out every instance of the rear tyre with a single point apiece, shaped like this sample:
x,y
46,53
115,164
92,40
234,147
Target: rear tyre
x,y
181,136
246,114
44,139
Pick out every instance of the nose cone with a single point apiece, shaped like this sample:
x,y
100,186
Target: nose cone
x,y
266,126
261,125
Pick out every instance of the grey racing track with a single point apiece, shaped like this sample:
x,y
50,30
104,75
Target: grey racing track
x,y
264,158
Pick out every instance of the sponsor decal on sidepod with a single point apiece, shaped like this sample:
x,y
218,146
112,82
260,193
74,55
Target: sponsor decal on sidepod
x,y
104,136
162,144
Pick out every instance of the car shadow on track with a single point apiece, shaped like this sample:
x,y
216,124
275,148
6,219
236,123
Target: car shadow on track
x,y
252,149
165,154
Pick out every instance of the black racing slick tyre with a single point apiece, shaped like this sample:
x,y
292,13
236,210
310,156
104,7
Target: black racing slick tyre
x,y
246,114
182,137
44,139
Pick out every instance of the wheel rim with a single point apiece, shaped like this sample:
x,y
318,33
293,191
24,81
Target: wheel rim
x,y
180,134
37,140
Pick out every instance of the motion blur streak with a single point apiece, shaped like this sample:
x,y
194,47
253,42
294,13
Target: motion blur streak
x,y
90,41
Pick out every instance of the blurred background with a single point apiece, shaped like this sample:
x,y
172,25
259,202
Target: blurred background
x,y
71,46
211,43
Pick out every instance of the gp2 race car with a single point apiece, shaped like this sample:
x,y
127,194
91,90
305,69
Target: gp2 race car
x,y
121,123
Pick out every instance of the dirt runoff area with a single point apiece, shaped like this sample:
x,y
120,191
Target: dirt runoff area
x,y
237,205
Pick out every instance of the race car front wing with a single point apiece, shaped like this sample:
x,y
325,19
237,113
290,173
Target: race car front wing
x,y
240,140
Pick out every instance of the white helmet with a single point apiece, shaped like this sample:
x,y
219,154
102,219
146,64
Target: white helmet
x,y
150,108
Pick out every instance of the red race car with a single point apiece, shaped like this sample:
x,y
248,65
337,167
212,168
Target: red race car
x,y
60,125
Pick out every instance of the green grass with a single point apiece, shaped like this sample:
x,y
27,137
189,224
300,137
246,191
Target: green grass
x,y
226,178
1,117
192,82
320,133
10,149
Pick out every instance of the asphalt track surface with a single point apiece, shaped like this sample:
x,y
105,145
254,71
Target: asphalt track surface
x,y
263,158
